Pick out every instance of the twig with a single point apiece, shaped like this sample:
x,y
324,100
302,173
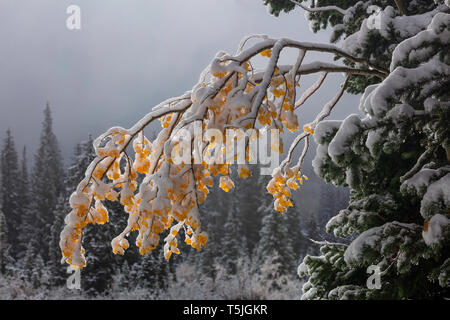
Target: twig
x,y
326,243
321,9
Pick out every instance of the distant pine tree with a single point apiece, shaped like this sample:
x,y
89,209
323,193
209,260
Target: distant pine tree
x,y
47,183
151,271
97,277
209,255
56,269
3,242
231,246
32,267
124,279
275,240
11,204
24,208
249,195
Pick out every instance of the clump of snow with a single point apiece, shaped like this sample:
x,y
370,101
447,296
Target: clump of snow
x,y
401,112
368,239
436,198
433,234
320,158
376,103
302,270
366,94
324,129
419,183
373,138
342,140
412,50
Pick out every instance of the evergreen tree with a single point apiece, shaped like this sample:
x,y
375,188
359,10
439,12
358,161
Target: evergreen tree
x,y
297,242
56,269
125,280
152,271
248,196
40,277
84,153
346,23
396,164
275,240
207,258
47,182
214,213
11,204
274,257
3,242
231,246
25,208
32,267
96,278
277,6
24,179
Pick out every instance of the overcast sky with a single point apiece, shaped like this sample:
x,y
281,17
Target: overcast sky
x,y
128,56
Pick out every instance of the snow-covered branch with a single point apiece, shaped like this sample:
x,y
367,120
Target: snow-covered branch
x,y
320,9
309,92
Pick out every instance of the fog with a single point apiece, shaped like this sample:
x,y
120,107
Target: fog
x,y
127,57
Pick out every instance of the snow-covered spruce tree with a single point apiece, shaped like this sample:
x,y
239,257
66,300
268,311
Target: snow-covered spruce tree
x,y
396,162
371,29
410,89
47,182
11,201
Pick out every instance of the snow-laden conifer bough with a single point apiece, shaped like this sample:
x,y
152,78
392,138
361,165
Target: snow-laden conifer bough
x,y
232,94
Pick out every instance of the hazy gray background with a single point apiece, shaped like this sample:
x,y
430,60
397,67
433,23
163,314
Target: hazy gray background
x,y
128,56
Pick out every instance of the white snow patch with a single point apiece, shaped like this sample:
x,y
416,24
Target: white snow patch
x,y
434,233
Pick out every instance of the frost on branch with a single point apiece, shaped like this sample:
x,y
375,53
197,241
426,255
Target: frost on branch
x,y
162,185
